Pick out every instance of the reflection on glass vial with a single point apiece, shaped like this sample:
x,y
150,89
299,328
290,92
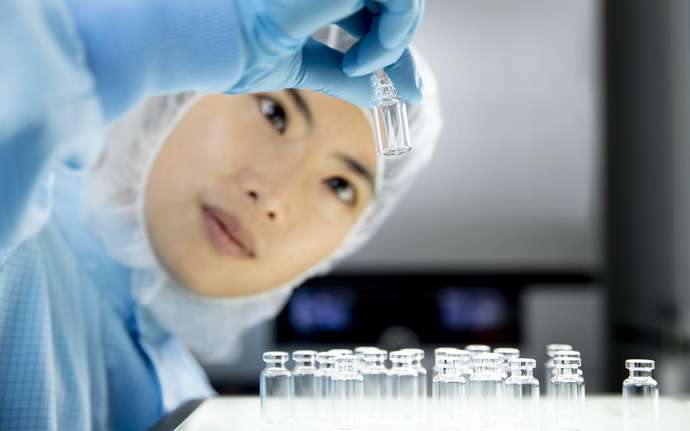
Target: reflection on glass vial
x,y
304,392
275,390
347,394
640,396
392,130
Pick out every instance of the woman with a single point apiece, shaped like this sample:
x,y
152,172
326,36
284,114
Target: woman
x,y
202,214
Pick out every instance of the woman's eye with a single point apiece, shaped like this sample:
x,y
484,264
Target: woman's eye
x,y
342,189
274,113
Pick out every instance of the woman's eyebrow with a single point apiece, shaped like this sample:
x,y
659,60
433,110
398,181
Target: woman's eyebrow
x,y
302,106
357,168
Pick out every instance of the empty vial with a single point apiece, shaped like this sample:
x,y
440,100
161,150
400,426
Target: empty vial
x,y
441,351
486,390
392,130
358,354
640,396
304,389
551,350
521,395
418,357
347,394
403,386
449,390
568,393
508,353
324,373
374,380
275,390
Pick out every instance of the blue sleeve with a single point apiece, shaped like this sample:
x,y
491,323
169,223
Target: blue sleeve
x,y
70,66
143,47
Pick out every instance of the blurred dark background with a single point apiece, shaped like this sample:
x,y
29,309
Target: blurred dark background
x,y
556,209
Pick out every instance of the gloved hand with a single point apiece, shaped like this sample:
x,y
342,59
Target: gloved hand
x,y
283,55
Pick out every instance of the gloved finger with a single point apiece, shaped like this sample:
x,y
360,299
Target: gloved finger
x,y
399,20
300,18
406,78
368,55
321,71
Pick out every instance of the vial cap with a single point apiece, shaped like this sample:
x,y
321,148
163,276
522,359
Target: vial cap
x,y
400,356
507,351
325,357
522,363
566,354
553,348
361,349
417,353
488,359
478,348
459,355
281,357
444,350
339,352
566,362
639,364
304,355
376,355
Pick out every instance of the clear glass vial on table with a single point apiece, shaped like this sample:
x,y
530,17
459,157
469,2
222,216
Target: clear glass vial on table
x,y
347,394
374,379
304,389
403,386
449,391
486,391
521,395
508,353
568,396
640,396
275,389
551,350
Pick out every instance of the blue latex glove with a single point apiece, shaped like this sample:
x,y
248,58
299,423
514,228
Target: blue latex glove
x,y
282,55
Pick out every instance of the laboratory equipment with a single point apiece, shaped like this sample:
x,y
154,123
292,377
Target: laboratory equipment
x,y
347,394
521,395
358,354
304,389
640,396
476,349
568,393
551,350
403,386
391,127
275,390
374,383
486,390
417,358
449,390
326,361
508,353
439,351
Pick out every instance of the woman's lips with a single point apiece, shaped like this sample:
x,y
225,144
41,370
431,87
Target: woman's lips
x,y
226,234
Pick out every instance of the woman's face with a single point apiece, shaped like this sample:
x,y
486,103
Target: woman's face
x,y
250,191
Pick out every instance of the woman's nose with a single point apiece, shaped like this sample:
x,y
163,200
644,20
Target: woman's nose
x,y
256,197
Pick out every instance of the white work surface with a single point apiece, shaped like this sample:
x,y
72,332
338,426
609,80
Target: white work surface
x,y
602,413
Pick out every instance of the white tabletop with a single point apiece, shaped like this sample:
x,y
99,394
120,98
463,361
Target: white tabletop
x,y
601,413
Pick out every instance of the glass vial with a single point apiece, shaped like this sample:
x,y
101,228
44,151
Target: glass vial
x,y
304,389
486,391
275,390
476,349
374,381
323,375
449,390
347,394
508,353
640,396
392,130
551,350
439,351
568,393
403,386
422,391
521,395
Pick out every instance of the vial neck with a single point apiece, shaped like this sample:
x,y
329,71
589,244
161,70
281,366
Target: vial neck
x,y
275,364
304,364
641,373
402,365
375,365
566,371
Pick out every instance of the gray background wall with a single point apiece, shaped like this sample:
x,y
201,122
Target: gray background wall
x,y
514,182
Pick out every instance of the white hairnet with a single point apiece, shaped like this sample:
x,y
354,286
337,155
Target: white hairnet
x,y
113,208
